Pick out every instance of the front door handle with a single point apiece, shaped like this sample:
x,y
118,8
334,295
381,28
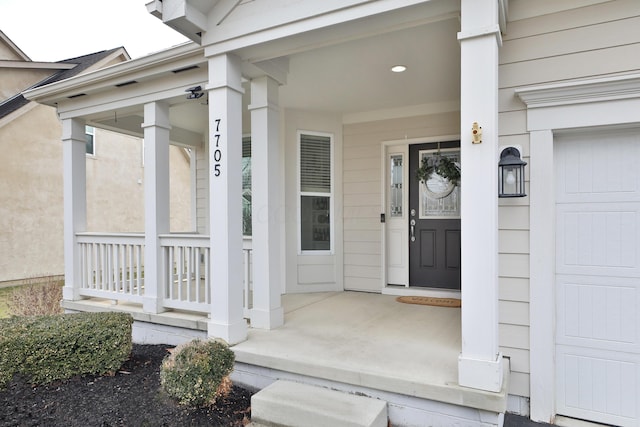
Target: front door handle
x,y
413,226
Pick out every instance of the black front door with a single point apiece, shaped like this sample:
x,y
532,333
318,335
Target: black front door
x,y
434,222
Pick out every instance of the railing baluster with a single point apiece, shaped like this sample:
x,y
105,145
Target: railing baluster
x,y
245,280
138,270
207,276
172,262
189,251
196,273
180,270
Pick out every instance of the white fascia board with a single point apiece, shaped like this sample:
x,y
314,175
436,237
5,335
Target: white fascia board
x,y
159,62
162,89
36,65
581,92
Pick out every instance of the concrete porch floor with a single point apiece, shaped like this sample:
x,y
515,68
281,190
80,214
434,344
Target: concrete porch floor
x,y
360,340
371,341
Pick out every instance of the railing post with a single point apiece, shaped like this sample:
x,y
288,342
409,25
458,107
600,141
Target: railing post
x,y
75,202
156,205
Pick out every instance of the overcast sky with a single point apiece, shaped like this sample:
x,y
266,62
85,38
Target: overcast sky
x,y
53,30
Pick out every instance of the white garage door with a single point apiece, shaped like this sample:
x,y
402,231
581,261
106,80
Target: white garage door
x,y
598,277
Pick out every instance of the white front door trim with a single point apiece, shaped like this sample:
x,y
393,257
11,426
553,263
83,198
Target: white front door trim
x,y
402,146
610,101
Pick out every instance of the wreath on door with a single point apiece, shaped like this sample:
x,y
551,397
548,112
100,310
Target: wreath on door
x,y
439,175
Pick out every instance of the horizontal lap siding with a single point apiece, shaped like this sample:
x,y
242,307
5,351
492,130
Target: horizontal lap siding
x,y
580,43
362,190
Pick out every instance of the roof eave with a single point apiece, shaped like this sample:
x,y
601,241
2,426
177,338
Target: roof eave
x,y
52,93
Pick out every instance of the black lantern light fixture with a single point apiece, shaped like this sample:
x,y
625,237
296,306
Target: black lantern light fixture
x,y
511,173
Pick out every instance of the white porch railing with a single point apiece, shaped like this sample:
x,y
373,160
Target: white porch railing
x,y
185,258
112,267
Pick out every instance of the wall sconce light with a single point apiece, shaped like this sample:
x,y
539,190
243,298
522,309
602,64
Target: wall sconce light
x,y
195,92
511,173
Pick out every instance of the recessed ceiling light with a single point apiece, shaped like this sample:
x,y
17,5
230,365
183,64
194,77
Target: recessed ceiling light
x,y
398,68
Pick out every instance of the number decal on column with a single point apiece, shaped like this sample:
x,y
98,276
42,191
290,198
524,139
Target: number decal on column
x,y
217,153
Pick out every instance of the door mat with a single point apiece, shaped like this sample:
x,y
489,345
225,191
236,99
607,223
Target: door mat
x,y
438,302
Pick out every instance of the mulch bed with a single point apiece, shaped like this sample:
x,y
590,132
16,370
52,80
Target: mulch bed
x,y
132,397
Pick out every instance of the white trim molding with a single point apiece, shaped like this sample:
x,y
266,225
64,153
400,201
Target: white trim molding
x,y
552,109
578,92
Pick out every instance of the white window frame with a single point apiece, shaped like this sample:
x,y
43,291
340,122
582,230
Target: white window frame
x,y
91,130
330,194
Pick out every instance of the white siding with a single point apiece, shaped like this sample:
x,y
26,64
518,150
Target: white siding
x,y
549,42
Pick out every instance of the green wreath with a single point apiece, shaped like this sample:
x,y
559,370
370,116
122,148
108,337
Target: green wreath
x,y
443,166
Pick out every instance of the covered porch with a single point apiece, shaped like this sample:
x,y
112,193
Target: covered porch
x,y
358,343
206,99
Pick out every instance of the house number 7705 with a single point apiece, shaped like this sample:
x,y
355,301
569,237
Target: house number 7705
x,y
217,153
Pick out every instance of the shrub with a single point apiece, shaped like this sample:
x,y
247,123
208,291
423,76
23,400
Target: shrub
x,y
49,348
196,373
38,297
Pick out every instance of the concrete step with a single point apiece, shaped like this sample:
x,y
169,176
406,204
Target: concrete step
x,y
291,404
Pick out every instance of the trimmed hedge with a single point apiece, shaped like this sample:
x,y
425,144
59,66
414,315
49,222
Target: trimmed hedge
x,y
49,348
197,373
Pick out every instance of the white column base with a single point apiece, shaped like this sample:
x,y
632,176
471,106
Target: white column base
x,y
263,319
232,334
152,305
70,293
481,374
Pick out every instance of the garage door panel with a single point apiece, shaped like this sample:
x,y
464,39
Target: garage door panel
x,y
598,385
598,312
598,276
598,168
598,239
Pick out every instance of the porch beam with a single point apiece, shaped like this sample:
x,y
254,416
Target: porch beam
x,y
156,128
480,362
74,150
267,312
225,202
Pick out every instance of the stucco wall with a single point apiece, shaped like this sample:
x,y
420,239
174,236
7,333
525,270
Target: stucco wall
x,y
15,80
31,213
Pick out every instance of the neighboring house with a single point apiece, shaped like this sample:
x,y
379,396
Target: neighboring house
x,y
550,290
31,205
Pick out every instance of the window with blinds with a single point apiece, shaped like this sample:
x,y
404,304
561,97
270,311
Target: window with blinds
x,y
316,222
315,163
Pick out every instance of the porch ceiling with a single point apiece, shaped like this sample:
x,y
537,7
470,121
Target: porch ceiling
x,y
356,76
351,78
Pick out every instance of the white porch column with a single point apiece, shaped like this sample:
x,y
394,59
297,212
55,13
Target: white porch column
x,y
225,199
480,362
74,150
156,199
267,312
